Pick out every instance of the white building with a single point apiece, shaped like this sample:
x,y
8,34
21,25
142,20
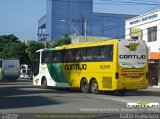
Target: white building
x,y
147,27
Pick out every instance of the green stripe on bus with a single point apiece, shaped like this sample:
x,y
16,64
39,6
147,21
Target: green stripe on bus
x,y
56,72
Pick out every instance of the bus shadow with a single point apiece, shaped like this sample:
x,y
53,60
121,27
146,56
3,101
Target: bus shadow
x,y
15,97
26,101
67,90
16,91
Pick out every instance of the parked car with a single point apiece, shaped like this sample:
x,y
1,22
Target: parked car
x,y
26,74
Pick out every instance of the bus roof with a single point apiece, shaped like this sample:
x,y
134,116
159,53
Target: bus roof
x,y
86,44
45,49
79,45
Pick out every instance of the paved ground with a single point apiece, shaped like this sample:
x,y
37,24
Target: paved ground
x,y
23,97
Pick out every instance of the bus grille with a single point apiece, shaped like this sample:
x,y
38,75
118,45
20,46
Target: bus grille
x,y
107,82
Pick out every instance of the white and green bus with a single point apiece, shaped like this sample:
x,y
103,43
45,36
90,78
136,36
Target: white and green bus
x,y
47,73
111,65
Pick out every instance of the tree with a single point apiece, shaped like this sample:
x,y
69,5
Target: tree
x,y
16,50
61,41
8,38
32,48
4,39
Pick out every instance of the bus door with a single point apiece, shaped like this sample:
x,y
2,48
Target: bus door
x,y
36,64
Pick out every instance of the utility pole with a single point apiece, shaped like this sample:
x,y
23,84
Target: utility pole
x,y
85,30
84,26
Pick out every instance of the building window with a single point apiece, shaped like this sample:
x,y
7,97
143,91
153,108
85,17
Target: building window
x,y
152,34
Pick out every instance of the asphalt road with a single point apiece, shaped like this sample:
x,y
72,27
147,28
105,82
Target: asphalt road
x,y
23,97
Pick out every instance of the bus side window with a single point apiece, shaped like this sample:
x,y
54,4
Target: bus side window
x,y
68,56
92,54
89,54
43,57
83,54
58,57
102,53
48,56
95,54
109,53
78,55
61,55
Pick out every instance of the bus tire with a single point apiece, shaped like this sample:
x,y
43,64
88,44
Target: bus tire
x,y
44,83
94,87
85,88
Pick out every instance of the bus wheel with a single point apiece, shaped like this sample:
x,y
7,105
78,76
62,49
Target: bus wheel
x,y
85,86
44,83
94,87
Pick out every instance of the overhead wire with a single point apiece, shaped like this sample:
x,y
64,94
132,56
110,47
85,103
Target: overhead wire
x,y
119,3
122,22
108,2
130,2
149,1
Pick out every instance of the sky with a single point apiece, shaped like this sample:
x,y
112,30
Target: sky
x,y
20,17
135,7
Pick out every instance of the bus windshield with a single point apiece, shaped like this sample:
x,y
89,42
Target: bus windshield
x,y
132,54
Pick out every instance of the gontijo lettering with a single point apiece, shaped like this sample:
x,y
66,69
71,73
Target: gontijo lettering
x,y
75,67
132,56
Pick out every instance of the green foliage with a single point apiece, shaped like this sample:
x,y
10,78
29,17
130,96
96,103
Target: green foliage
x,y
15,50
61,41
2,46
4,39
11,47
8,38
32,48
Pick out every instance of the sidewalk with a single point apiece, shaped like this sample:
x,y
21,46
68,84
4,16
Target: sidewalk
x,y
149,91
152,89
